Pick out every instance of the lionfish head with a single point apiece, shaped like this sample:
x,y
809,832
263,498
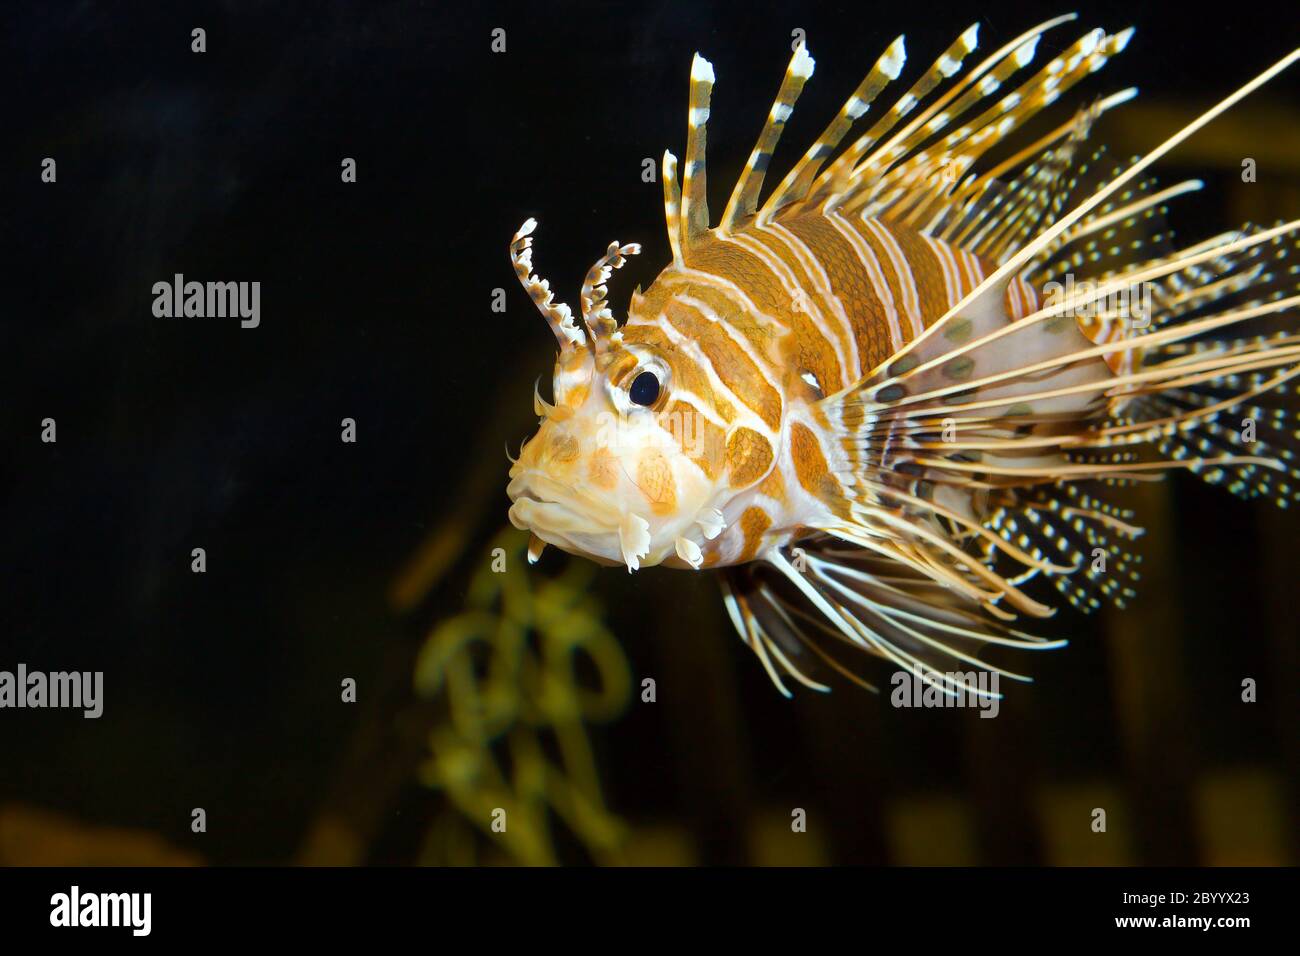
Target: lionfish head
x,y
608,475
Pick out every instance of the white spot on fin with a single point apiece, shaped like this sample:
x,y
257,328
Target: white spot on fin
x,y
1026,51
803,63
891,64
701,69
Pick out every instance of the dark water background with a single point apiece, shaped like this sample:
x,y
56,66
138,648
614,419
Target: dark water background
x,y
222,688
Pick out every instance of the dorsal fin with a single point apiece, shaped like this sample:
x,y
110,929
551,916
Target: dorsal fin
x,y
883,183
673,206
744,197
795,185
695,199
947,64
981,82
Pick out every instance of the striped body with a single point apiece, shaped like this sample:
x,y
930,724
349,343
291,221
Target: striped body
x,y
773,319
897,394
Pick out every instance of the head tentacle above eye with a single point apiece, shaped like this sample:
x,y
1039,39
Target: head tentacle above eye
x,y
596,315
558,315
595,309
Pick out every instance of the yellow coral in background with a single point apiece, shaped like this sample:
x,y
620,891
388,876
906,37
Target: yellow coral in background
x,y
513,745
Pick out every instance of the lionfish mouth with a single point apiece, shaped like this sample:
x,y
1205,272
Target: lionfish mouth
x,y
555,514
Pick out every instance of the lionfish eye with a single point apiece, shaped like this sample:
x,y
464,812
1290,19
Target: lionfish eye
x,y
645,389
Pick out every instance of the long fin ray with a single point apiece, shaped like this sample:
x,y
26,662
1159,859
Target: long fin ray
x,y
744,196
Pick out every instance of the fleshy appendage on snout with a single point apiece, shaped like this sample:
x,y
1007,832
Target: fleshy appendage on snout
x,y
614,488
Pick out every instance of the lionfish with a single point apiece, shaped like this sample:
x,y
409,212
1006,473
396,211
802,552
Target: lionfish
x,y
904,386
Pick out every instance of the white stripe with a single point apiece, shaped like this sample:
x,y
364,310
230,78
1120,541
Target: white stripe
x,y
903,269
703,408
874,274
808,259
735,293
745,416
946,266
727,287
1030,295
737,339
1014,305
964,272
785,275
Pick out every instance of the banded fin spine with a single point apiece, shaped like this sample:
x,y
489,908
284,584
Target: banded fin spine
x,y
1014,263
744,195
673,207
870,607
985,79
558,315
695,199
796,183
874,189
595,310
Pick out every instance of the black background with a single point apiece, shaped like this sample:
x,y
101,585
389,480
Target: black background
x,y
222,689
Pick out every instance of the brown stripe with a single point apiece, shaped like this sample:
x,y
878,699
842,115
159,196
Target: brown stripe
x,y
746,270
759,334
774,485
811,350
817,305
850,282
754,523
749,456
733,367
810,464
887,269
927,273
700,439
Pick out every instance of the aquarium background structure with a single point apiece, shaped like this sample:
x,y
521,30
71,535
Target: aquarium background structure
x,y
372,560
